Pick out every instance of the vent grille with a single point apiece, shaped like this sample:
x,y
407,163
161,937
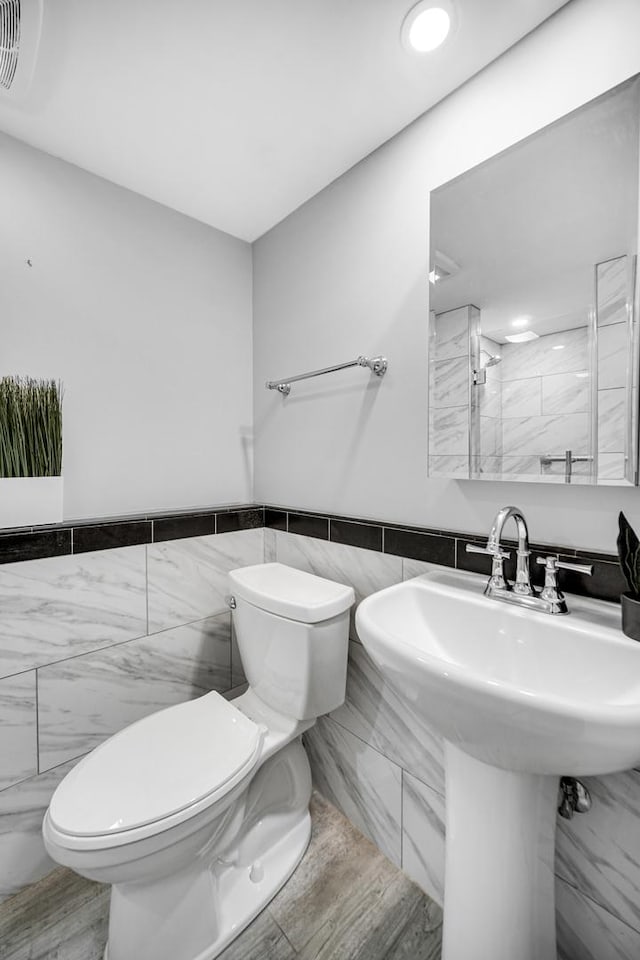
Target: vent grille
x,y
9,41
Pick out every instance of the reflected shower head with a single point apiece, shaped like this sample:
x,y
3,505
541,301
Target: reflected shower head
x,y
493,359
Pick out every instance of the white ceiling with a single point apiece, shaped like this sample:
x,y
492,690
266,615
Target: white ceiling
x,y
237,111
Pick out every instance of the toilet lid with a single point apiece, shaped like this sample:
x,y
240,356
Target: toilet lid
x,y
158,766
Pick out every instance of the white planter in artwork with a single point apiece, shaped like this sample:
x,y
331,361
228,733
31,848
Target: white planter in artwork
x,y
28,501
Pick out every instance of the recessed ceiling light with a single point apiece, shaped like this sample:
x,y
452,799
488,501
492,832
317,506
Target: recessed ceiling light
x,y
522,337
426,26
522,321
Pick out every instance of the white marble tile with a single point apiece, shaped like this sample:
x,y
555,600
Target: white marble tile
x,y
611,278
521,465
587,932
188,579
489,397
452,334
611,466
612,405
415,568
537,358
423,836
375,713
23,859
269,545
363,784
565,393
450,382
18,743
600,852
367,571
237,670
454,466
537,436
86,699
613,355
62,606
522,398
490,437
450,432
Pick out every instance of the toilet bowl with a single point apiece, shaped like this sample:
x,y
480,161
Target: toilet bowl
x,y
199,813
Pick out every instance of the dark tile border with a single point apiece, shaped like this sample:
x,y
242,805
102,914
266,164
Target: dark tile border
x,y
444,547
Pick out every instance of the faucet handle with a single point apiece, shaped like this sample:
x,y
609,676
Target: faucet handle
x,y
490,551
552,564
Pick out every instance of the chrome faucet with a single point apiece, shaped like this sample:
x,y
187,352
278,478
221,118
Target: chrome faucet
x,y
550,599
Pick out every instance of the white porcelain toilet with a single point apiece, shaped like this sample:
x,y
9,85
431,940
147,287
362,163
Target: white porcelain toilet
x,y
198,814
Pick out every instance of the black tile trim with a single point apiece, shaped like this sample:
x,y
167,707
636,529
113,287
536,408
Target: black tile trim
x,y
444,547
308,525
16,547
107,536
180,526
240,520
356,534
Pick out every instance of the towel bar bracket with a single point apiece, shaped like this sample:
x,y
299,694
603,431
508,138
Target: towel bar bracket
x,y
377,365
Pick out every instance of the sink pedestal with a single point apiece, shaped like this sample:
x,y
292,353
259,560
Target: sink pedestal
x,y
499,877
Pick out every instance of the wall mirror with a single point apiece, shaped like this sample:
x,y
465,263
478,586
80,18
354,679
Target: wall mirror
x,y
533,345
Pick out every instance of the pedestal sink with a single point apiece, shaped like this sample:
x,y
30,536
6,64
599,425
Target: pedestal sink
x,y
520,698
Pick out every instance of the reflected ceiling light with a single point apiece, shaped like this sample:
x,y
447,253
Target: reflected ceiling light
x,y
522,321
558,346
426,26
522,337
582,375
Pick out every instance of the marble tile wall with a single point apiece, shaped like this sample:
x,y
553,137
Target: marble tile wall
x,y
91,642
378,763
546,403
449,392
613,351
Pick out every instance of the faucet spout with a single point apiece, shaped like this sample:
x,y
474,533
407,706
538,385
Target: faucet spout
x,y
522,584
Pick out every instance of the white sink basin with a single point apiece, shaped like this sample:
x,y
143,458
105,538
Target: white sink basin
x,y
520,697
518,689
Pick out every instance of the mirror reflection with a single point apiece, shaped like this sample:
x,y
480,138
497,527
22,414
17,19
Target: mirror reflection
x,y
533,359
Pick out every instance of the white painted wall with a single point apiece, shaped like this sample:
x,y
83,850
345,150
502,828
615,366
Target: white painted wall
x,y
346,274
145,315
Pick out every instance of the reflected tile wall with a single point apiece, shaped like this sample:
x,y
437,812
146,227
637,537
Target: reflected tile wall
x,y
613,354
84,700
18,728
452,334
63,606
451,382
453,466
522,398
450,432
538,358
536,436
611,297
565,393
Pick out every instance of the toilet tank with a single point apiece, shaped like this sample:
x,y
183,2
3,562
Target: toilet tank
x,y
292,630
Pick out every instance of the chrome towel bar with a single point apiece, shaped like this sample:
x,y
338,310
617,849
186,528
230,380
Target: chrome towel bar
x,y
377,365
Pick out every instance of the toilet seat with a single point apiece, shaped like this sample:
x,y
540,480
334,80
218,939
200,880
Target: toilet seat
x,y
155,774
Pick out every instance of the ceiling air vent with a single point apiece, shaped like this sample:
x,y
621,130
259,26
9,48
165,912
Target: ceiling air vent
x,y
20,23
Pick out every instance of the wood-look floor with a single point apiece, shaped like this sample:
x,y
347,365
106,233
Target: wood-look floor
x,y
345,901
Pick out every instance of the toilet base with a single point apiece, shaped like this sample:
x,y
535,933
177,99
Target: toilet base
x,y
244,897
194,913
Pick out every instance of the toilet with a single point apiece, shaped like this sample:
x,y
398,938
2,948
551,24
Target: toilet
x,y
198,814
